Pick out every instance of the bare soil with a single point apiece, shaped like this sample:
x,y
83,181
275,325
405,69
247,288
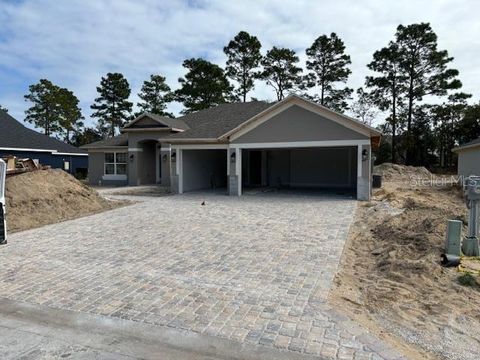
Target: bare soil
x,y
391,279
44,197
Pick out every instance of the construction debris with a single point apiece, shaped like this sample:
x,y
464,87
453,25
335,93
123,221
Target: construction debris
x,y
17,166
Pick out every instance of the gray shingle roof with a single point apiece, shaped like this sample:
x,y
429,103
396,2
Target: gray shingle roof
x,y
14,135
120,140
173,123
214,122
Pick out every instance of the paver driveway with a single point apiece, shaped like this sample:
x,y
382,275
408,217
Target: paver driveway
x,y
255,269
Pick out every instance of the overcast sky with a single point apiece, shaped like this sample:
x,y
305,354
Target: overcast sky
x,y
75,42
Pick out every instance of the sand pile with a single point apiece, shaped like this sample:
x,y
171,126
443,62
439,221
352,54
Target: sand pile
x,y
391,171
391,277
48,196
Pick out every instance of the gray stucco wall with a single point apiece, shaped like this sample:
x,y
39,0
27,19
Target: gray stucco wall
x,y
96,168
364,182
469,162
298,124
204,169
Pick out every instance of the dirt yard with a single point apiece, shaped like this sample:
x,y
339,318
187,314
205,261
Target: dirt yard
x,y
48,196
391,279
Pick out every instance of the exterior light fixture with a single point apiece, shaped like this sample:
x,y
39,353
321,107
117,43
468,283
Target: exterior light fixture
x,y
164,157
364,155
174,156
233,157
131,157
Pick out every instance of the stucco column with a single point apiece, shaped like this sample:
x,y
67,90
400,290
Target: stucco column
x,y
234,170
133,163
165,160
176,178
364,170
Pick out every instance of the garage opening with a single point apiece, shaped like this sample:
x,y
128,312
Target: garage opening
x,y
331,169
204,170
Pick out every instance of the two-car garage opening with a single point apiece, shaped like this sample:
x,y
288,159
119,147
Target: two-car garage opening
x,y
319,168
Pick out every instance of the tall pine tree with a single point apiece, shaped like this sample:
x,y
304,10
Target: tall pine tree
x,y
425,69
328,63
281,72
243,57
112,106
155,95
205,85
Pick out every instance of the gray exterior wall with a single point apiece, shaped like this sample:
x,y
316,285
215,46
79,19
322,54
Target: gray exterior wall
x,y
204,169
298,124
96,168
364,182
469,162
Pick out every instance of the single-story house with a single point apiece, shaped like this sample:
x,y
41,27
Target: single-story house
x,y
468,158
19,141
292,143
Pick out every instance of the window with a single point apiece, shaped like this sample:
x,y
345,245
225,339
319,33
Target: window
x,y
115,163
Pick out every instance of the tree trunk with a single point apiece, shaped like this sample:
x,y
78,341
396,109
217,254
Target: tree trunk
x,y
394,125
409,123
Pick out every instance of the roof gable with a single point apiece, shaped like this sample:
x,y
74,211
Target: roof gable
x,y
149,121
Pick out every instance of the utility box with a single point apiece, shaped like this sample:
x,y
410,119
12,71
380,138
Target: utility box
x,y
453,241
3,222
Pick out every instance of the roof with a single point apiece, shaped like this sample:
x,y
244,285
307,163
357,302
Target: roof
x,y
116,141
162,120
214,122
468,145
15,136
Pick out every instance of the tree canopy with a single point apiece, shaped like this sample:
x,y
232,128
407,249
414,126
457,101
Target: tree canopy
x,y
204,85
328,63
243,58
112,108
155,95
281,72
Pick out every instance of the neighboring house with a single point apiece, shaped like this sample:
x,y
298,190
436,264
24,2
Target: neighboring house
x,y
19,141
291,143
468,158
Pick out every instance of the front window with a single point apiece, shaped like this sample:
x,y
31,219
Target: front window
x,y
115,163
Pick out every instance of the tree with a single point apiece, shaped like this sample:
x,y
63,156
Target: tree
x,y
112,106
155,94
86,136
364,107
280,70
425,69
469,127
205,85
328,63
387,88
69,113
3,109
243,57
44,112
446,118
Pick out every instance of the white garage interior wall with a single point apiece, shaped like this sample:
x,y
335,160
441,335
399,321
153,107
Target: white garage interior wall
x,y
204,169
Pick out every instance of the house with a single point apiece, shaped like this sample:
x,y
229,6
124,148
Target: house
x,y
468,158
19,141
291,143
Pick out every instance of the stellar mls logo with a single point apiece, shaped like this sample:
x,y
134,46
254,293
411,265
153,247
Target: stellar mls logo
x,y
437,181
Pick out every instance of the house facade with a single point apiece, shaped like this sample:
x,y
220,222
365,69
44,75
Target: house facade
x,y
17,140
468,158
293,143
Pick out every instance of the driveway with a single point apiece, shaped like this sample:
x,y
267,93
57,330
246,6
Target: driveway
x,y
255,270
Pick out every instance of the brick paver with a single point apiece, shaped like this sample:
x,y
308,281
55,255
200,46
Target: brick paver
x,y
255,269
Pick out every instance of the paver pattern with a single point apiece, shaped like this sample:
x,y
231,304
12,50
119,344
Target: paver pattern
x,y
255,269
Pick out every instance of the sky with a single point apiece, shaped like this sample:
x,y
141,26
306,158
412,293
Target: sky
x,y
74,43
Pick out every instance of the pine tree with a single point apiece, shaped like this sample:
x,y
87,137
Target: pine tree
x,y
280,71
70,114
205,85
363,107
155,94
328,63
112,106
243,57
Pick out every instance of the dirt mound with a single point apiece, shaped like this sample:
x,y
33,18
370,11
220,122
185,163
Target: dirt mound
x,y
391,276
394,172
48,196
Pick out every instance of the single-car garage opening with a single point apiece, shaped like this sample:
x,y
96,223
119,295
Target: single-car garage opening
x,y
204,169
325,168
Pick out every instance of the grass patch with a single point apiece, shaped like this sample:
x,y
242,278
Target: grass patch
x,y
467,279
